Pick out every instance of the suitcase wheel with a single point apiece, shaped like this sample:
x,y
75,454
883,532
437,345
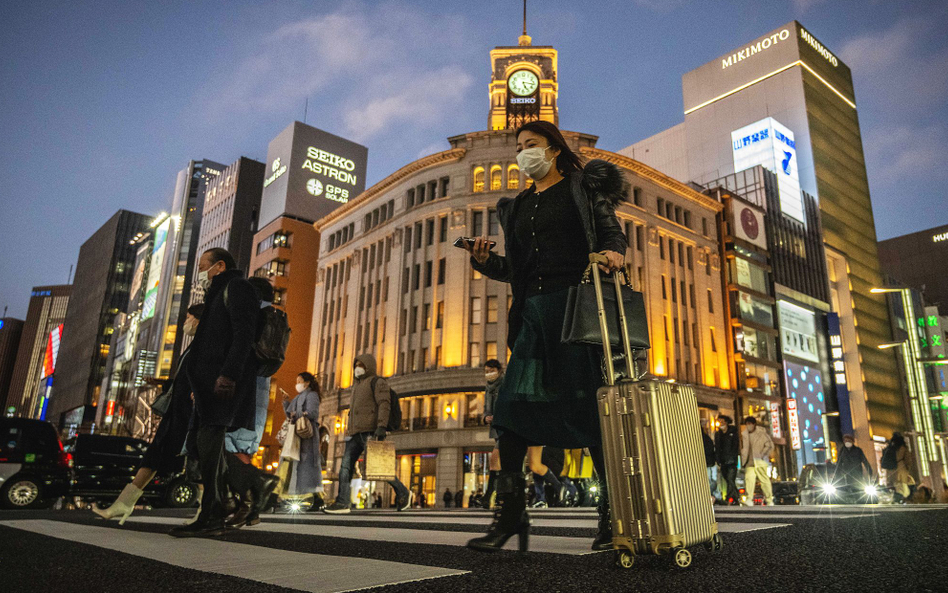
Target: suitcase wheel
x,y
715,544
682,558
625,559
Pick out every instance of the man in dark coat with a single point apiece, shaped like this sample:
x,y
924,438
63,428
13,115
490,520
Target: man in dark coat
x,y
852,465
726,449
222,371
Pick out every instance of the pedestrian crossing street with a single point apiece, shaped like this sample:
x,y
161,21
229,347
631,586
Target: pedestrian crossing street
x,y
143,536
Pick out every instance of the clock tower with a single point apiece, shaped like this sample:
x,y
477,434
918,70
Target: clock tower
x,y
523,85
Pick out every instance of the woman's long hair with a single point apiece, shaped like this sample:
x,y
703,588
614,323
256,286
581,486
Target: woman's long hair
x,y
310,380
567,161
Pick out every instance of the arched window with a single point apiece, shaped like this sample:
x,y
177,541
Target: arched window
x,y
513,177
495,178
479,179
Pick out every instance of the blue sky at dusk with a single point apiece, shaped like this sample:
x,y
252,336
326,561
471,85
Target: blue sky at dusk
x,y
101,103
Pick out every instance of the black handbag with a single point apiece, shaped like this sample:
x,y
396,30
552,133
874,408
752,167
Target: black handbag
x,y
581,323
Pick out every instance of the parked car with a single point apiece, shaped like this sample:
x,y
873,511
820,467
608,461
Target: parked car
x,y
105,464
35,470
820,484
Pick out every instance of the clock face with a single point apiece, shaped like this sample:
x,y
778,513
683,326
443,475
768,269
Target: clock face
x,y
523,83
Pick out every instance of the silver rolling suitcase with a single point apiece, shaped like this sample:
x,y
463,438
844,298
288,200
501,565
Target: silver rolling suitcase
x,y
654,455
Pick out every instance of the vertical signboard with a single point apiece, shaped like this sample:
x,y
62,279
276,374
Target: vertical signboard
x,y
52,350
770,144
839,373
154,269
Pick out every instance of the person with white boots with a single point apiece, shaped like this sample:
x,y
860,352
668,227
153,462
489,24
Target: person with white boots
x,y
162,453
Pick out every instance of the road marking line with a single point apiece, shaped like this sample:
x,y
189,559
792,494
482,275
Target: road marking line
x,y
315,573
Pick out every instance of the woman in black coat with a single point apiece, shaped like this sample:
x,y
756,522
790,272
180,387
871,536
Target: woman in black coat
x,y
548,396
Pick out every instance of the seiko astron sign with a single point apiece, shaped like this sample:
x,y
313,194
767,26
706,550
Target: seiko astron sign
x,y
310,173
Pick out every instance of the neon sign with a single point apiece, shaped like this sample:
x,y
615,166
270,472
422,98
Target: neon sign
x,y
940,237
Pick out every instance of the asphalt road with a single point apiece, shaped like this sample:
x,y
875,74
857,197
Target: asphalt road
x,y
766,549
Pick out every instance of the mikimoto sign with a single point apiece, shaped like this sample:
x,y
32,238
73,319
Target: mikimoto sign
x,y
310,173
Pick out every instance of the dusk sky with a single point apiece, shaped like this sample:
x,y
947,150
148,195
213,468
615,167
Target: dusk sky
x,y
102,103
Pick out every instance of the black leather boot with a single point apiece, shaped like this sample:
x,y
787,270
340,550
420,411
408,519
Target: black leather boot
x,y
603,539
510,519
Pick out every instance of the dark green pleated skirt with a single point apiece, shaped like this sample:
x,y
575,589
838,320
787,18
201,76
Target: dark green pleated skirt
x,y
549,392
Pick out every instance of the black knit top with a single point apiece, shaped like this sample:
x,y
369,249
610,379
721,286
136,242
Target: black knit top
x,y
551,239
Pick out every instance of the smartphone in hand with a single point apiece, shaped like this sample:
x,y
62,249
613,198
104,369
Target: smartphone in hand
x,y
460,242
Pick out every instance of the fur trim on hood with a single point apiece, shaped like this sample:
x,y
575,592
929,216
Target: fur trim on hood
x,y
604,178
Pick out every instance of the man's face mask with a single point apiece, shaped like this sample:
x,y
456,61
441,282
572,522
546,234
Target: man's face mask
x,y
358,372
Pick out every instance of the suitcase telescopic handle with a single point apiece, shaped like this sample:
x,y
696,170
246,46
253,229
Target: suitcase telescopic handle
x,y
598,258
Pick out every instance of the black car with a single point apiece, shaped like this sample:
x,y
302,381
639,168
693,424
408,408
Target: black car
x,y
34,468
105,464
822,484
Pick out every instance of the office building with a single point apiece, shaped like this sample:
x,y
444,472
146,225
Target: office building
x,y
311,173
10,331
100,290
920,260
786,101
390,283
231,212
32,382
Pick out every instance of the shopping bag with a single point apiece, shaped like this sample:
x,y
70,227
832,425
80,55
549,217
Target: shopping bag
x,y
380,460
291,448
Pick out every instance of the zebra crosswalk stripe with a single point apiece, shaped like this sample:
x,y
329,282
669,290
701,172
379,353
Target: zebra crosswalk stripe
x,y
314,573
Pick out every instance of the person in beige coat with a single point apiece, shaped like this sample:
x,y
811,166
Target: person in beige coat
x,y
756,446
368,416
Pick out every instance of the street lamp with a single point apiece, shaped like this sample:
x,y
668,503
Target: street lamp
x,y
891,345
882,290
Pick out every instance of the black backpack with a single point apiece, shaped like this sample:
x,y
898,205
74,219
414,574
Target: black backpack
x,y
395,411
889,459
273,336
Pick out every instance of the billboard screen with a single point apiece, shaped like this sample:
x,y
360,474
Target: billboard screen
x,y
805,388
798,331
52,350
310,173
770,144
154,269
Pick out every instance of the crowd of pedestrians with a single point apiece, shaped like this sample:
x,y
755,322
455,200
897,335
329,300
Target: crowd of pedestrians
x,y
541,408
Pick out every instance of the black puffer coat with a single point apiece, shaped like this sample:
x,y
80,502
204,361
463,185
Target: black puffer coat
x,y
223,346
596,192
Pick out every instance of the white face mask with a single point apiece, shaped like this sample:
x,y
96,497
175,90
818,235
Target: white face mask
x,y
848,444
203,280
491,376
300,387
358,372
532,161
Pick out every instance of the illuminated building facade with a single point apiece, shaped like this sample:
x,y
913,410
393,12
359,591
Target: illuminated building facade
x,y
779,302
31,386
803,95
100,290
390,283
919,345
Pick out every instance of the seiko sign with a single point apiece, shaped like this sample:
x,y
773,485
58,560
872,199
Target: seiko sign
x,y
523,100
755,48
